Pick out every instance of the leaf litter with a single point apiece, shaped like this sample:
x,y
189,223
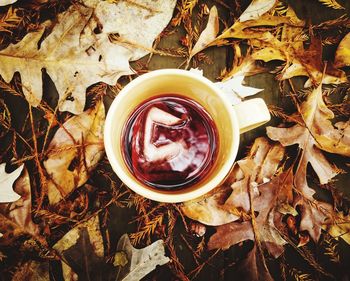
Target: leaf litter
x,y
268,202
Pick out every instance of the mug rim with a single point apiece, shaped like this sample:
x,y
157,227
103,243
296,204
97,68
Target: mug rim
x,y
153,194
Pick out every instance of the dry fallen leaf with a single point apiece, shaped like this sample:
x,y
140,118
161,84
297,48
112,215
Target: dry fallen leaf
x,y
82,248
7,2
74,151
6,181
209,34
256,9
76,55
263,34
253,268
20,211
266,201
235,89
317,133
140,262
342,55
340,227
220,206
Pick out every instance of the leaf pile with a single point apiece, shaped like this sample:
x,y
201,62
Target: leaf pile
x,y
281,214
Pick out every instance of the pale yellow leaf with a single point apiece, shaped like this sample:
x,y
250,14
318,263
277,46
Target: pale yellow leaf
x,y
256,9
209,33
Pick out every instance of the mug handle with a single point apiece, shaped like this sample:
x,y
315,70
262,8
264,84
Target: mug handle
x,y
251,114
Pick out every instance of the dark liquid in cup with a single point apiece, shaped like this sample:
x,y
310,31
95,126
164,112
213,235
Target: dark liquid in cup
x,y
170,142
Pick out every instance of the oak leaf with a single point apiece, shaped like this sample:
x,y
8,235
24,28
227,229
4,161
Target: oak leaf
x,y
82,249
220,206
76,54
6,182
342,55
266,202
139,262
74,151
316,133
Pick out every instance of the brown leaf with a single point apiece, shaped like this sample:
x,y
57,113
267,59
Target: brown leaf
x,y
218,207
318,132
74,151
271,195
253,268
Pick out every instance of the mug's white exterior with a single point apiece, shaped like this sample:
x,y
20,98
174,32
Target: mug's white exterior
x,y
112,119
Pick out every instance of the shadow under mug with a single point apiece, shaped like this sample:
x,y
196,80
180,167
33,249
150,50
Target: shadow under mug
x,y
230,121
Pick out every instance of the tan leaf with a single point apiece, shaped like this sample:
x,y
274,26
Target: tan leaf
x,y
83,250
6,181
74,151
20,212
318,132
75,57
342,55
140,262
208,34
256,9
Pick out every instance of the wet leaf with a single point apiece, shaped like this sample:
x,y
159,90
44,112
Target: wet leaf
x,y
342,55
74,151
140,261
6,181
209,34
78,52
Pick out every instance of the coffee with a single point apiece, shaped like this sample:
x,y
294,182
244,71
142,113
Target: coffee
x,y
169,142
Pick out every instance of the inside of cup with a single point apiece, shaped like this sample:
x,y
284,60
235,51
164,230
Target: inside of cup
x,y
201,91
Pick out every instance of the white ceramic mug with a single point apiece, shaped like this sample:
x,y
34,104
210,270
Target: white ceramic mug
x,y
230,121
